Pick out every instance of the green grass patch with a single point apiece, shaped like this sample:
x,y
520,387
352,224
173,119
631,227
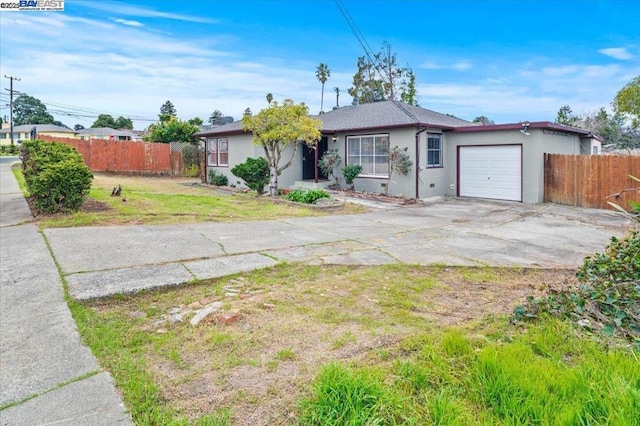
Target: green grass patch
x,y
16,169
545,375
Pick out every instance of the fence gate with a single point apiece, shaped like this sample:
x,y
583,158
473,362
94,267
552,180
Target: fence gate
x,y
591,180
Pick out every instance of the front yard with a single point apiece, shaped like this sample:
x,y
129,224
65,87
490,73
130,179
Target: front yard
x,y
355,345
162,200
348,345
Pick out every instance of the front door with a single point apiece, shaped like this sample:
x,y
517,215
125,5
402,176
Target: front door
x,y
308,159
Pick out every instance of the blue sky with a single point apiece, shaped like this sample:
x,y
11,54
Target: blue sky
x,y
507,60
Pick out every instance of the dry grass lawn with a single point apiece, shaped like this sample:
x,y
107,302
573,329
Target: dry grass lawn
x,y
164,200
292,320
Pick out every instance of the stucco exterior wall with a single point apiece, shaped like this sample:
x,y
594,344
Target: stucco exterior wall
x,y
399,184
432,181
241,147
534,147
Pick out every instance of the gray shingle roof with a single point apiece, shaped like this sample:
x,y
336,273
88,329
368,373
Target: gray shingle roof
x,y
106,131
368,116
39,128
385,114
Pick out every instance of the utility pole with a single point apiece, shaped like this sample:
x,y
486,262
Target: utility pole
x,y
337,89
11,92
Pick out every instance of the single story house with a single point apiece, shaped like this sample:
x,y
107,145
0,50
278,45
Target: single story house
x,y
107,133
23,132
450,156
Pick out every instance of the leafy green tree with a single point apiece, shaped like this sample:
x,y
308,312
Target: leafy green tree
x,y
322,74
196,121
247,112
172,130
278,127
78,127
485,121
167,110
124,123
409,92
215,117
269,98
366,86
30,110
381,78
105,120
611,128
627,101
565,116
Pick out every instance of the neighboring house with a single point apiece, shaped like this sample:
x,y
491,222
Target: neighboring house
x,y
108,133
23,132
450,156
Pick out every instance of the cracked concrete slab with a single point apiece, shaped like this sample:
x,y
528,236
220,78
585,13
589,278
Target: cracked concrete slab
x,y
40,346
88,249
229,265
85,402
93,285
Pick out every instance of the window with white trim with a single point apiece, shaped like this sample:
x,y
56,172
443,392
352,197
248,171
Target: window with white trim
x,y
434,150
218,152
371,152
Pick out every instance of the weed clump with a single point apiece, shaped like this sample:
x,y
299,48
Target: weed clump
x,y
608,298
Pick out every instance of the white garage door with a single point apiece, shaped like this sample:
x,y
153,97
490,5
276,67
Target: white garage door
x,y
491,172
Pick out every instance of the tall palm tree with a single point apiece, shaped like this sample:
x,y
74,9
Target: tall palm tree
x,y
269,98
322,73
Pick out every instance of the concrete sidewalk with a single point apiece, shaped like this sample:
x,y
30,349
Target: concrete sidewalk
x,y
46,372
102,261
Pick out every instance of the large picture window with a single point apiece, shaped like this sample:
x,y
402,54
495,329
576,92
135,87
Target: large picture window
x,y
218,152
434,150
371,152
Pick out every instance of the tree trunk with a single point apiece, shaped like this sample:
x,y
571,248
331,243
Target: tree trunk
x,y
322,100
273,181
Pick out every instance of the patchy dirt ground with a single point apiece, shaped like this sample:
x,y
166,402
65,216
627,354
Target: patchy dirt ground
x,y
292,320
88,206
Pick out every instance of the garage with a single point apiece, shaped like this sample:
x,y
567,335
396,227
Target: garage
x,y
490,171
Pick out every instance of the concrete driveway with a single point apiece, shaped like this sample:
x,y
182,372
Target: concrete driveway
x,y
99,261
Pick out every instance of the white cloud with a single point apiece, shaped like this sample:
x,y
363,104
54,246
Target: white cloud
x,y
620,53
128,22
461,66
458,66
142,12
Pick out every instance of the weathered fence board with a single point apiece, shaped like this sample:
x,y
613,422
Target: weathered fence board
x,y
122,156
591,180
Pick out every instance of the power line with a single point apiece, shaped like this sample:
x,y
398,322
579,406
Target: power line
x,y
361,39
356,31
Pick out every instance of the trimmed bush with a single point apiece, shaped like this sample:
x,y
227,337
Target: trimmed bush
x,y
55,175
217,179
310,196
61,187
350,172
254,172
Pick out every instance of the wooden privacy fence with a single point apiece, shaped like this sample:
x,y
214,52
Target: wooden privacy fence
x,y
591,180
145,158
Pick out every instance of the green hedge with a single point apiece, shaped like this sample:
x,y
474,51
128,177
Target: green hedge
x,y
55,175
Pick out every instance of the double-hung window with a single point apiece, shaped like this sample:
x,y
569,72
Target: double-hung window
x,y
434,150
371,152
218,152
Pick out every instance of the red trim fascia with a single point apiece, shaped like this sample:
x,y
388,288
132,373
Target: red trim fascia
x,y
518,126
